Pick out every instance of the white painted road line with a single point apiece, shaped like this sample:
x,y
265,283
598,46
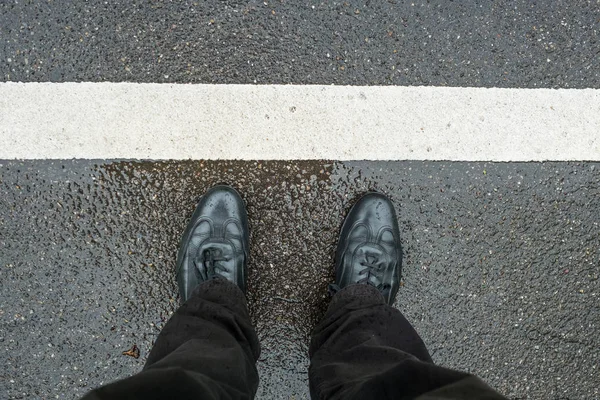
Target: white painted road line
x,y
166,121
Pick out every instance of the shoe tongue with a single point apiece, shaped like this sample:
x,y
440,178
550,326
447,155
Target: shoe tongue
x,y
371,258
218,250
372,254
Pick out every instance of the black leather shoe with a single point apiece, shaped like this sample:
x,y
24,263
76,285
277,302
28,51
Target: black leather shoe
x,y
369,249
215,242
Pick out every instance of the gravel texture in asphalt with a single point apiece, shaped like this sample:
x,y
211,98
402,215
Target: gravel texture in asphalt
x,y
500,266
468,43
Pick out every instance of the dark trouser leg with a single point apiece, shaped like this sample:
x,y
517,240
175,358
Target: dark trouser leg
x,y
207,350
365,349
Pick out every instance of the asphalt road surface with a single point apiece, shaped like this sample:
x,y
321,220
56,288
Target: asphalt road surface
x,y
501,260
468,43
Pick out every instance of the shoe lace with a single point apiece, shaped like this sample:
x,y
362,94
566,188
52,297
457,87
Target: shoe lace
x,y
209,264
372,269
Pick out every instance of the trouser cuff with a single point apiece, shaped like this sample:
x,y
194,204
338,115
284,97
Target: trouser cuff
x,y
219,290
356,296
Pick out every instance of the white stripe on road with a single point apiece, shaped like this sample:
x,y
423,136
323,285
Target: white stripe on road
x,y
166,121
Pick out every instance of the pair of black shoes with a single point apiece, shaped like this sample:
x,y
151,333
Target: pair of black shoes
x,y
216,244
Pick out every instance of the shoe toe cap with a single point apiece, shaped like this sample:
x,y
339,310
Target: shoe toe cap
x,y
221,203
375,209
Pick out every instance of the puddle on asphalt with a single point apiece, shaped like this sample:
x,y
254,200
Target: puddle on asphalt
x,y
474,236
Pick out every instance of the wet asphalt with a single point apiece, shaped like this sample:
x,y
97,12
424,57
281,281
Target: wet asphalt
x,y
520,43
501,260
500,271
